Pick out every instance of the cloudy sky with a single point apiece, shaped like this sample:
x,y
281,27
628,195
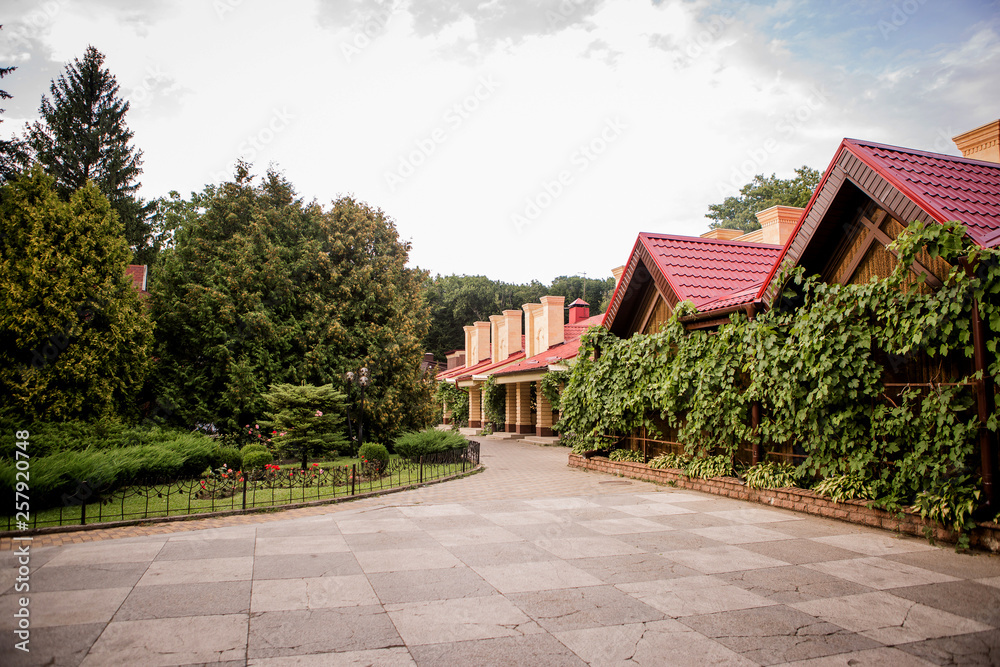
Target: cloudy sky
x,y
520,140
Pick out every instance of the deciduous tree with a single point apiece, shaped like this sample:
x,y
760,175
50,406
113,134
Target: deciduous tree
x,y
762,193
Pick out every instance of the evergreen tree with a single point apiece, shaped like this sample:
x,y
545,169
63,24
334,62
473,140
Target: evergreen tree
x,y
261,288
74,337
83,137
763,193
12,153
309,420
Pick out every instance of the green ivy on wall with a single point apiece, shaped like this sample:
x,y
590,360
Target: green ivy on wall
x,y
816,363
457,401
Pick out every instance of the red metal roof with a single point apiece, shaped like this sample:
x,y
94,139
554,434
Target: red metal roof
x,y
479,370
541,361
703,270
576,330
454,373
947,187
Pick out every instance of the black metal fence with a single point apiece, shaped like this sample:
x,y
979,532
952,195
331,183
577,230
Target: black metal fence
x,y
233,490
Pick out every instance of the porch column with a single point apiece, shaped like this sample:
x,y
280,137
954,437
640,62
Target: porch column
x,y
524,424
511,410
475,407
544,414
446,413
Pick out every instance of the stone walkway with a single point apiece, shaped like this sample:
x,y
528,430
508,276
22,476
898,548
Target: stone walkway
x,y
528,563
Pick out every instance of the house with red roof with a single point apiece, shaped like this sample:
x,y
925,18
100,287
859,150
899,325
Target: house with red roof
x,y
868,194
516,349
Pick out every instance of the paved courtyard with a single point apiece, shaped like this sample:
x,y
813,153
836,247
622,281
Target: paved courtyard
x,y
528,563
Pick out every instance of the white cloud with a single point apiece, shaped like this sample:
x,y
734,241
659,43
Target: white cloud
x,y
704,94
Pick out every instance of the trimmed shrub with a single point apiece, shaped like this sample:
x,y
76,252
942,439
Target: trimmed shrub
x,y
374,458
229,457
62,476
415,444
256,459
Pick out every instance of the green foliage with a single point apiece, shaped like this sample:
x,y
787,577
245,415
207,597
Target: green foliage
x,y
256,459
770,475
851,486
950,504
626,455
415,444
82,137
75,341
762,193
494,401
308,421
449,394
817,363
552,384
262,288
674,461
80,471
707,467
374,459
229,457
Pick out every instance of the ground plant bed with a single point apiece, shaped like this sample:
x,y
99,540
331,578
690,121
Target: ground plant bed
x,y
985,536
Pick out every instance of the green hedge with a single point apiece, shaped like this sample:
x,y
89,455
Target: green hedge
x,y
415,444
60,471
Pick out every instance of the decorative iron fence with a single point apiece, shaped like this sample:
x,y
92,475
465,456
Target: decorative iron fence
x,y
271,487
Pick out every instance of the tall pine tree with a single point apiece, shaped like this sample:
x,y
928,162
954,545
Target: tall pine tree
x,y
83,137
12,154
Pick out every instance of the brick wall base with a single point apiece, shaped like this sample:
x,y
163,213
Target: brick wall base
x,y
985,535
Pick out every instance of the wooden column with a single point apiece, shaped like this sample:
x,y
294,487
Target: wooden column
x,y
523,424
475,407
543,424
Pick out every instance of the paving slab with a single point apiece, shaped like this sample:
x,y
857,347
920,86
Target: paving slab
x,y
528,563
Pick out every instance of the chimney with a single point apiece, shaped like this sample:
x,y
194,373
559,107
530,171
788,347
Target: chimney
x,y
470,331
532,317
551,324
512,329
982,143
722,233
579,310
477,343
456,358
498,345
778,222
617,273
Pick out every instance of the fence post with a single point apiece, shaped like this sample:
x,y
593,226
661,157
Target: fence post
x,y
421,468
244,491
354,474
83,513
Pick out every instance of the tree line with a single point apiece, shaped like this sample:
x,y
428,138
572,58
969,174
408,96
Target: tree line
x,y
250,286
